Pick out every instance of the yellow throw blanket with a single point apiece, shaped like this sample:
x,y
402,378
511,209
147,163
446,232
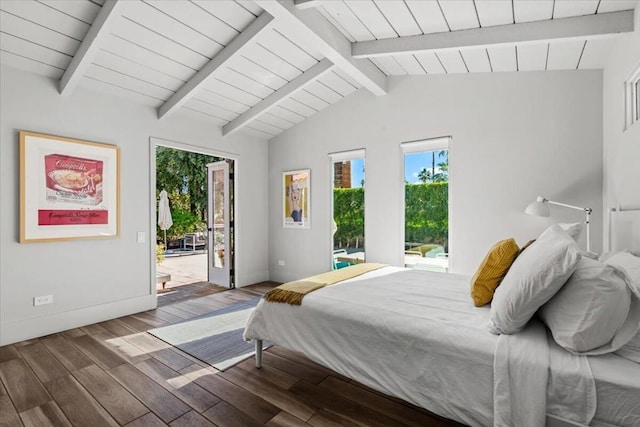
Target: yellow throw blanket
x,y
293,292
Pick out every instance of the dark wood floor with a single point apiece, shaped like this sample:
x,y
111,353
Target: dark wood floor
x,y
114,373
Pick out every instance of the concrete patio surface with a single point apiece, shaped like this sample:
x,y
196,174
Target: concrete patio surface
x,y
184,269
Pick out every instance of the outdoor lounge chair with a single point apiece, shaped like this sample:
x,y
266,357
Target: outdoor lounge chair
x,y
339,264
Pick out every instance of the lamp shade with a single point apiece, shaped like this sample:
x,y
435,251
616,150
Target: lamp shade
x,y
538,208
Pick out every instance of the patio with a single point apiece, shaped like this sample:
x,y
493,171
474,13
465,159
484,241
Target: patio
x,y
184,268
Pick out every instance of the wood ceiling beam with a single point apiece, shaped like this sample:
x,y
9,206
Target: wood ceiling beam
x,y
110,12
313,28
272,100
234,48
579,27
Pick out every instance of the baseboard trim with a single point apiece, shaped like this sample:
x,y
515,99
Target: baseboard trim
x,y
25,329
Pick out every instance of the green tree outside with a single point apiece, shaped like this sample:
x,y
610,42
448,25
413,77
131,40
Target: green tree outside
x,y
183,174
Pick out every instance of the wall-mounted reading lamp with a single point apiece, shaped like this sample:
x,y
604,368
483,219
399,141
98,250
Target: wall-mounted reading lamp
x,y
541,208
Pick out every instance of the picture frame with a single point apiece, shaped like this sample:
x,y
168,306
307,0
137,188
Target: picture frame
x,y
69,189
296,199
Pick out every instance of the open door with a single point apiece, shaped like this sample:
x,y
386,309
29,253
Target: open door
x,y
219,225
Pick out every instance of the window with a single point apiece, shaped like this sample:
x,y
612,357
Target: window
x,y
348,239
632,97
426,204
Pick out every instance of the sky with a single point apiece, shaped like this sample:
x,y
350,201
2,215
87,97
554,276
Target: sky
x,y
357,173
413,164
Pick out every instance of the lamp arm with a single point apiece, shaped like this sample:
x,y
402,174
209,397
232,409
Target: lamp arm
x,y
588,213
589,210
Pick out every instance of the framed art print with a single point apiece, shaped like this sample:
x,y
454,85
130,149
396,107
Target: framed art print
x,y
69,189
296,199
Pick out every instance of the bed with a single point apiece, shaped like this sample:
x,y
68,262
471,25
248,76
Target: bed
x,y
416,335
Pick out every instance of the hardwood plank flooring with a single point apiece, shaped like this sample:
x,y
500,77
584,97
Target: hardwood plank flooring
x,y
68,354
160,401
149,420
278,397
192,419
23,387
284,419
8,414
226,415
48,414
179,385
112,396
77,404
250,404
8,352
43,363
98,351
115,374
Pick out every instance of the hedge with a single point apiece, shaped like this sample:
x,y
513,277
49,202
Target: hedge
x,y
426,214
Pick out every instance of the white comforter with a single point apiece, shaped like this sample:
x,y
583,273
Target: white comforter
x,y
415,335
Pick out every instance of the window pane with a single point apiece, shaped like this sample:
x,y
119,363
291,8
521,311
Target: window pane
x,y
348,213
426,225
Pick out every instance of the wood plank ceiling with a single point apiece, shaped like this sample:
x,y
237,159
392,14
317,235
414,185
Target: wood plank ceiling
x,y
220,61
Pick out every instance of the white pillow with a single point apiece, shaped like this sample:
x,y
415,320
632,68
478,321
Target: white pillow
x,y
573,229
606,255
631,264
534,277
585,316
631,350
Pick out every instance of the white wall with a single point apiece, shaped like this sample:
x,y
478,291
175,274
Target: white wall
x,y
621,147
515,136
95,280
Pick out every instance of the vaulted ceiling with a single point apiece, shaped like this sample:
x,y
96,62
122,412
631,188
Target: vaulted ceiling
x,y
263,66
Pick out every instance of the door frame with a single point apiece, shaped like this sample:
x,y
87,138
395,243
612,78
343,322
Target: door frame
x,y
155,142
221,165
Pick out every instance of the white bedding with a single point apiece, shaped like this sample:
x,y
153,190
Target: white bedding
x,y
521,372
416,335
617,390
399,347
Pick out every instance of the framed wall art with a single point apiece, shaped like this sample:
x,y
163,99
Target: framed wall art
x,y
296,199
69,189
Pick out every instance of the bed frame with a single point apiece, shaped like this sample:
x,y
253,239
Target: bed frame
x,y
624,230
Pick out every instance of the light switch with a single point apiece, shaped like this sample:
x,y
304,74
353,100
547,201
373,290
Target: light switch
x,y
141,237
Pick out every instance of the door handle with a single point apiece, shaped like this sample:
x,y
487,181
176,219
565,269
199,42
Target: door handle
x,y
209,229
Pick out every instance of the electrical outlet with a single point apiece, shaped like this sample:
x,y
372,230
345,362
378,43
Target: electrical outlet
x,y
281,262
141,237
42,300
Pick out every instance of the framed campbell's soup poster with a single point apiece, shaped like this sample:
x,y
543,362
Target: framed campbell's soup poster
x,y
296,199
69,189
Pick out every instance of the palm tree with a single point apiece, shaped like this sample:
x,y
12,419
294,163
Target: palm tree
x,y
433,163
424,175
441,153
443,175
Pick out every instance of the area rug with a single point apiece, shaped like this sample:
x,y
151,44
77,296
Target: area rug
x,y
214,337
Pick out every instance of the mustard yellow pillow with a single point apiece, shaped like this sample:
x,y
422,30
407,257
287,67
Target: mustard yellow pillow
x,y
492,270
